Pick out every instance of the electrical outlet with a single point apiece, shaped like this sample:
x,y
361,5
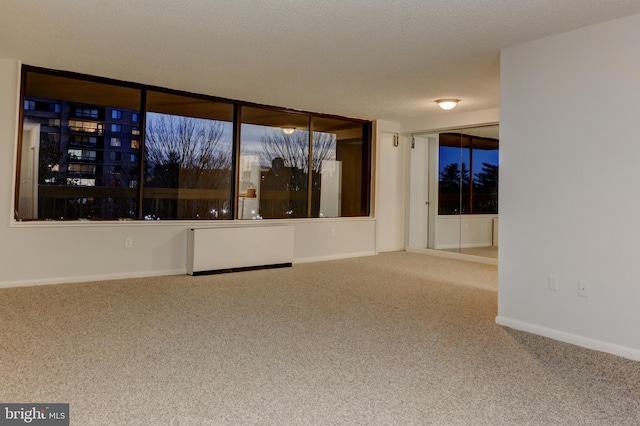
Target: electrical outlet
x,y
128,242
554,283
583,288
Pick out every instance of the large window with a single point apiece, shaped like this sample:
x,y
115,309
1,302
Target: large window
x,y
274,163
468,181
98,149
188,154
295,165
60,178
339,173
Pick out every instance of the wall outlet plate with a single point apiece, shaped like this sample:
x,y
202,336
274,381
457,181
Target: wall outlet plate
x,y
583,288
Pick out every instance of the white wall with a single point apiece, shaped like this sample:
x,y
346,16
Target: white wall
x,y
390,189
418,194
454,119
454,231
569,195
50,252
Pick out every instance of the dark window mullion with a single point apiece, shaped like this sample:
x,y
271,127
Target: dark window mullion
x,y
470,175
310,170
141,148
235,164
365,208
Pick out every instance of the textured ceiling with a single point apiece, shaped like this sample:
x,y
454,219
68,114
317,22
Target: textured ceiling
x,y
362,58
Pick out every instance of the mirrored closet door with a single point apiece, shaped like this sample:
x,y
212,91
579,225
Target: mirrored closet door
x,y
454,191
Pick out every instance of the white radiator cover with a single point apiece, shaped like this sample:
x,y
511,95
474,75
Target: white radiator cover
x,y
215,250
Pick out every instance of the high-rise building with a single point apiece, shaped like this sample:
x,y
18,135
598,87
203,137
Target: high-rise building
x,y
83,146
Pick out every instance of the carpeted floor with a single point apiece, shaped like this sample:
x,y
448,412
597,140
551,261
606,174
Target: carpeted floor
x,y
394,339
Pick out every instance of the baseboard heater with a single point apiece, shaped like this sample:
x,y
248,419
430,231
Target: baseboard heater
x,y
220,250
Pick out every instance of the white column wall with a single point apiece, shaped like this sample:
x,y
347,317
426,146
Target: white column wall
x,y
390,188
46,252
418,194
569,203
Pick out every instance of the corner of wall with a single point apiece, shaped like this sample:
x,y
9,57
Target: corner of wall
x,y
574,339
387,126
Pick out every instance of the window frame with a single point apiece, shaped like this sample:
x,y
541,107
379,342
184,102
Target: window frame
x,y
366,125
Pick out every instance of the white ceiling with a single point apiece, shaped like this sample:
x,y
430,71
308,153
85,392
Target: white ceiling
x,y
361,58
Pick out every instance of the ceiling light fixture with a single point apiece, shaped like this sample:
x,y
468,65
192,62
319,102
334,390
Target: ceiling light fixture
x,y
447,104
288,130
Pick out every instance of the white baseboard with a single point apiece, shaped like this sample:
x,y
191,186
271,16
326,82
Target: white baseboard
x,y
574,339
468,245
89,278
144,274
333,257
452,255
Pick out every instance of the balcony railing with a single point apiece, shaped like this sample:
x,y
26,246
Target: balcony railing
x,y
82,159
83,129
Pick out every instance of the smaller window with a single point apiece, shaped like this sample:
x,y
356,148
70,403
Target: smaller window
x,y
86,112
32,105
75,169
54,137
81,155
83,140
116,142
135,131
75,154
85,126
116,156
116,114
116,128
135,144
134,117
134,158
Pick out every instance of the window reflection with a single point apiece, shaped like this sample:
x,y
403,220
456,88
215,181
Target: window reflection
x,y
468,174
96,149
188,156
338,173
274,164
66,166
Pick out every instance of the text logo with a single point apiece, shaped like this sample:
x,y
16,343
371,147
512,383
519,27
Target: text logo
x,y
34,414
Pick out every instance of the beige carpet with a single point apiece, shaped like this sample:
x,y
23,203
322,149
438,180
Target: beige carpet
x,y
395,339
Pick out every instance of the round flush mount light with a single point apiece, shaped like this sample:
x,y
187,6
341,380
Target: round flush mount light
x,y
447,104
288,130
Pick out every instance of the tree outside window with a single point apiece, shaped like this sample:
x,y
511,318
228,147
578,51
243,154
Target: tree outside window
x,y
468,177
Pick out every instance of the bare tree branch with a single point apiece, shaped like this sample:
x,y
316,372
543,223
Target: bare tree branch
x,y
192,146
